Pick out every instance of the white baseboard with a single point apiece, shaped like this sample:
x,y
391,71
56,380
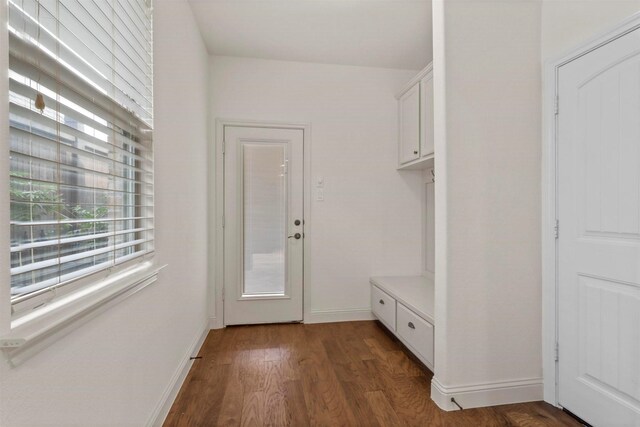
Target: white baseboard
x,y
171,392
328,316
215,323
489,394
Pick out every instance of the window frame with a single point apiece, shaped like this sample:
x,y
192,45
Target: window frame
x,y
52,311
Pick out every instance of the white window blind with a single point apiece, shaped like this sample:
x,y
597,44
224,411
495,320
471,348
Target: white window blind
x,y
81,165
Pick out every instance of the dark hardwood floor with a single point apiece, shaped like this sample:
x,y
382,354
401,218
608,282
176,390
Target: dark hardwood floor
x,y
332,374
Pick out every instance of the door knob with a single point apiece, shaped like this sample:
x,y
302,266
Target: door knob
x,y
296,222
295,236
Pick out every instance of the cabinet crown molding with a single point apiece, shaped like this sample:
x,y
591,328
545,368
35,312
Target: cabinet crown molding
x,y
426,70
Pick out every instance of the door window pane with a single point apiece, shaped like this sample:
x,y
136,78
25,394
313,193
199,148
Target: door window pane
x,y
265,201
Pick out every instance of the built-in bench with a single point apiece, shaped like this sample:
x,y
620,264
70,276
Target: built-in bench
x,y
404,304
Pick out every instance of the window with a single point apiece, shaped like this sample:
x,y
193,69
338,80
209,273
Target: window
x,y
81,170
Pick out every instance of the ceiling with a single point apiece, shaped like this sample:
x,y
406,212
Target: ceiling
x,y
370,33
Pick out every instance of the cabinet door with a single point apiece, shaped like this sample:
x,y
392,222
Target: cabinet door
x,y
426,115
409,112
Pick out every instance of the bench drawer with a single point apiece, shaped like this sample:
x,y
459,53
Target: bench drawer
x,y
417,332
384,307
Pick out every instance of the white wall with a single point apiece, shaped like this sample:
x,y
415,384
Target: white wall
x,y
488,293
568,23
369,223
114,369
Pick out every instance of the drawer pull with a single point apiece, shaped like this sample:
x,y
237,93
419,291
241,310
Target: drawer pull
x,y
411,325
381,301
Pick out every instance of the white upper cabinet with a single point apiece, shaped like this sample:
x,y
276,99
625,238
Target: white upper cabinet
x,y
409,124
415,122
426,115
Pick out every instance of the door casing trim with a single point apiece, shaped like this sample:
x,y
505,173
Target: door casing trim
x,y
549,199
216,212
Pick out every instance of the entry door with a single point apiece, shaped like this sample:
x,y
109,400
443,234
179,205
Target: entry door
x,y
263,230
599,234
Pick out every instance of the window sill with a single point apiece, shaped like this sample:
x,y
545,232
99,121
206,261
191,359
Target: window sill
x,y
39,328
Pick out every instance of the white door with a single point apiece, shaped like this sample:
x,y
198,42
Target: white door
x,y
409,114
263,225
599,234
426,115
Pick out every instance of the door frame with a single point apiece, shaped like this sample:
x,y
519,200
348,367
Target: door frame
x,y
549,195
216,212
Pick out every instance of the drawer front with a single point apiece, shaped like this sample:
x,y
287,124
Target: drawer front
x,y
384,307
416,331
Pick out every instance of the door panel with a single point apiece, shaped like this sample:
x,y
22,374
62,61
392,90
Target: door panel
x,y
426,116
409,114
599,246
263,268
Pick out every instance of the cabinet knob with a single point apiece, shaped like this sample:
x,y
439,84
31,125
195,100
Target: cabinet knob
x,y
411,325
381,301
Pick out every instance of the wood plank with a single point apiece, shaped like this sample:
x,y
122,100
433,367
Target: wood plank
x,y
357,374
354,342
338,410
296,406
359,405
274,391
409,396
230,413
382,409
253,409
535,414
317,410
199,400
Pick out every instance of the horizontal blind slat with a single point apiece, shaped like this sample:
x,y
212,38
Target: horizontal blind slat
x,y
79,221
62,241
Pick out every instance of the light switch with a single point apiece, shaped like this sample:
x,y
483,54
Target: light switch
x,y
320,182
320,194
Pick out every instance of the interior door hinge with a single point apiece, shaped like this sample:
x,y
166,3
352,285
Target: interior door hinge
x,y
556,107
556,229
223,221
557,352
224,146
